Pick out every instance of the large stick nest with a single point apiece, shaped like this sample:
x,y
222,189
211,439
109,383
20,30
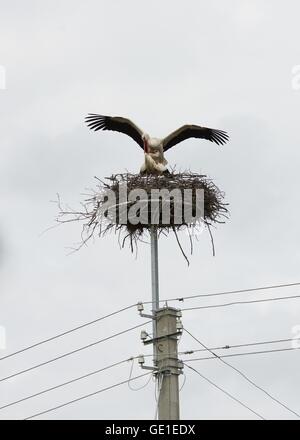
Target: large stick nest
x,y
148,209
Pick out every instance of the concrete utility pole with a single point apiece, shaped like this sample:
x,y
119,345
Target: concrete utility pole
x,y
166,329
168,366
154,280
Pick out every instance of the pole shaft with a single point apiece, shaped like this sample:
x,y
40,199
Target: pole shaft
x,y
165,350
154,268
168,364
154,282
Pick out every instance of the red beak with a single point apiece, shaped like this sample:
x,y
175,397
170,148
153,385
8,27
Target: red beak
x,y
145,146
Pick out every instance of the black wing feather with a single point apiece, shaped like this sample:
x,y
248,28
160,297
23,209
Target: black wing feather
x,y
220,137
115,123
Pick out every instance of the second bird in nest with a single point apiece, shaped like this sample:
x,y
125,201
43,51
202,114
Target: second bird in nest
x,y
154,148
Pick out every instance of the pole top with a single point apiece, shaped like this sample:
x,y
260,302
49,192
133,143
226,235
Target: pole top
x,y
169,311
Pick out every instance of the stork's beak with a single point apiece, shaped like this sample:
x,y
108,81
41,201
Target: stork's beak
x,y
145,146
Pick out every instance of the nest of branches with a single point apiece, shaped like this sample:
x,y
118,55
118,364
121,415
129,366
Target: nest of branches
x,y
132,205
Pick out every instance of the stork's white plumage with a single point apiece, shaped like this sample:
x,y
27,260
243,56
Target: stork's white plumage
x,y
154,148
155,162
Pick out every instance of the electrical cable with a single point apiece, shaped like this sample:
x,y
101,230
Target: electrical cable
x,y
184,380
72,352
234,346
229,292
67,332
245,377
134,305
213,306
249,344
84,397
130,376
226,392
242,354
65,383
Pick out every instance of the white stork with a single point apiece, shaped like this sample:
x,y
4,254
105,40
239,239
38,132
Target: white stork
x,y
154,148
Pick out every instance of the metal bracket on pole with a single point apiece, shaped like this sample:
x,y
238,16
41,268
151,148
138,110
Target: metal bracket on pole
x,y
140,307
172,369
159,338
141,361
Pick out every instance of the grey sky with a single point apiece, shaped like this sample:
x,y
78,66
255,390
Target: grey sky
x,y
226,65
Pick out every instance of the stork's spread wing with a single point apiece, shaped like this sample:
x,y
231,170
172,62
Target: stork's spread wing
x,y
195,131
115,123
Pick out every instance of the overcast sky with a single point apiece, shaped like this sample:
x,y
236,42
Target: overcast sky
x,y
227,65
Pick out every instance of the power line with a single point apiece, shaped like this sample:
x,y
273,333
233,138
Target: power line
x,y
242,354
65,383
233,346
225,392
67,332
245,376
130,376
85,396
241,302
228,292
249,344
132,358
134,305
72,352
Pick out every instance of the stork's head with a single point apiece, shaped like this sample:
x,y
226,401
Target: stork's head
x,y
146,138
